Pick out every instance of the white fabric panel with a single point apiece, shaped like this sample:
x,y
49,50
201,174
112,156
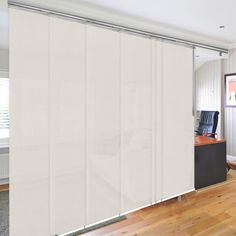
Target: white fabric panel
x,y
136,170
29,152
103,124
157,118
67,124
178,135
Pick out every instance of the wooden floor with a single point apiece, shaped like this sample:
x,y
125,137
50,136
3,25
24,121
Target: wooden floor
x,y
4,188
206,212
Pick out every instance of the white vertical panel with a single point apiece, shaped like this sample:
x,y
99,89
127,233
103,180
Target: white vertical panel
x,y
29,152
178,158
67,122
103,124
157,111
136,121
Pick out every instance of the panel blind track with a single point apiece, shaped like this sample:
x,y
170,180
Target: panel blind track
x,y
118,27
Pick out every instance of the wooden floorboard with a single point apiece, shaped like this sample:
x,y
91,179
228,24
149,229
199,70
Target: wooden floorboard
x,y
208,212
4,187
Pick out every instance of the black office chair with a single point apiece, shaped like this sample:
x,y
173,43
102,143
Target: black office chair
x,y
208,123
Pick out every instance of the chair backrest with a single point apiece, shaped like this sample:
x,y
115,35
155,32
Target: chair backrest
x,y
208,123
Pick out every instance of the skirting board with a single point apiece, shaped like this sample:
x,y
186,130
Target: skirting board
x,y
231,158
4,181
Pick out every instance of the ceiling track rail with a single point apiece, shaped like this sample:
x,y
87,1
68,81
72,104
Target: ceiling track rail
x,y
118,27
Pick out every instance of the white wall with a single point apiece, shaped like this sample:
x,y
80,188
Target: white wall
x,y
4,44
4,59
230,112
4,68
210,95
4,166
4,154
209,89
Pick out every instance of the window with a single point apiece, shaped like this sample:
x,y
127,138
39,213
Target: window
x,y
4,111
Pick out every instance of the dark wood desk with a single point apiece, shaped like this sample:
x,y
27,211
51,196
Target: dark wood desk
x,y
210,161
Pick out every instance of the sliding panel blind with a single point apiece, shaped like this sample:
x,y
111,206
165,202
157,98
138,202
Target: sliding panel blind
x,y
103,124
178,123
29,152
136,122
67,124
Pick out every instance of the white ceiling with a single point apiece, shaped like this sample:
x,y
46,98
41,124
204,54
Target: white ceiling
x,y
195,20
197,16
